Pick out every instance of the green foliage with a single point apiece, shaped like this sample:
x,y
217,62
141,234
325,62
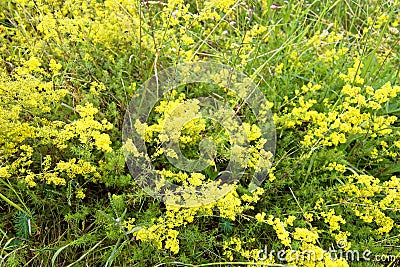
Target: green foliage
x,y
23,225
68,69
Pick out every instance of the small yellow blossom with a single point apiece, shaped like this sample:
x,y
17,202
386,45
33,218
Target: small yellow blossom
x,y
79,193
54,66
260,217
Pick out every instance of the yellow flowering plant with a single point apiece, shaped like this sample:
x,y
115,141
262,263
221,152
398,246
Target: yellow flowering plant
x,y
327,70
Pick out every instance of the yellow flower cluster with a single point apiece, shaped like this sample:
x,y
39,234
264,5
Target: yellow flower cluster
x,y
353,74
325,37
352,116
169,126
235,244
305,235
162,233
230,205
80,194
27,97
336,166
333,220
87,129
279,227
253,131
365,189
47,118
308,238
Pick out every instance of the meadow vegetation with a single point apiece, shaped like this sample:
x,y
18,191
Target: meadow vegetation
x,y
328,69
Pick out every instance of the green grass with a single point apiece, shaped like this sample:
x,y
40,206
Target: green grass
x,y
47,225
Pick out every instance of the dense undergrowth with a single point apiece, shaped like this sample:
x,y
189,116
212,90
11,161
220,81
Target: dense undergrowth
x,y
330,73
